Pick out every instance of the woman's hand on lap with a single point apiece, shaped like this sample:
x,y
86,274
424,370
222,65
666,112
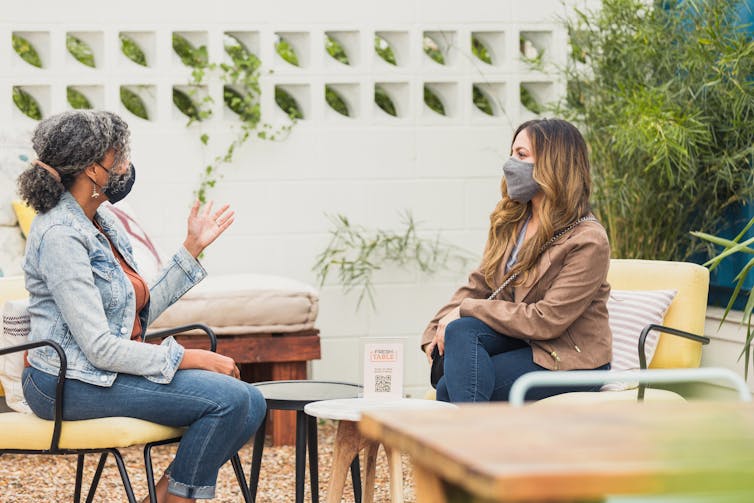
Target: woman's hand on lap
x,y
207,360
439,339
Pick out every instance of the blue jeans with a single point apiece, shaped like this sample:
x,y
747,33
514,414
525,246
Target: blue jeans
x,y
221,413
481,365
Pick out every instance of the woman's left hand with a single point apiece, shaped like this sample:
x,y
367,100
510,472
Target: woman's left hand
x,y
441,325
205,226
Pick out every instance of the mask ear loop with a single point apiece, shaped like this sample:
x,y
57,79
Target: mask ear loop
x,y
52,171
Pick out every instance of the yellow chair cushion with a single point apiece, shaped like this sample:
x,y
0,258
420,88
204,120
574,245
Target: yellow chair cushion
x,y
25,431
25,214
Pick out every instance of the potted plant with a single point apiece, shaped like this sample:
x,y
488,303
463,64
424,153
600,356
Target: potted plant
x,y
664,95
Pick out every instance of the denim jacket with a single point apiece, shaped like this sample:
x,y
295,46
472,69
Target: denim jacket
x,y
81,298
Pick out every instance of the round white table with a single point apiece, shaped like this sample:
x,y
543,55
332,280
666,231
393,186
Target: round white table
x,y
348,442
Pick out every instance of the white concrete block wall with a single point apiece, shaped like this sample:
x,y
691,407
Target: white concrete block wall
x,y
445,170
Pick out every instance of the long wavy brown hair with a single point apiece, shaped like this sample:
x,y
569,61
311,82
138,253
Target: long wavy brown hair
x,y
562,171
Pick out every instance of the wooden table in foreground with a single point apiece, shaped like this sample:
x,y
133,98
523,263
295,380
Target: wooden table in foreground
x,y
564,453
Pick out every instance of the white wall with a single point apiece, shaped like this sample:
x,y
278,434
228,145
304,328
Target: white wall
x,y
446,170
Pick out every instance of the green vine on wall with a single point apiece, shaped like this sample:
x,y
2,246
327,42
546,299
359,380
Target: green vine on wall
x,y
241,91
355,253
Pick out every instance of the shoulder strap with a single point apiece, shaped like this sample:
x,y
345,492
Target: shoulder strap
x,y
545,246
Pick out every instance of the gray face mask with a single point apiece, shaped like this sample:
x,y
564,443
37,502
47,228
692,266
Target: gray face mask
x,y
519,176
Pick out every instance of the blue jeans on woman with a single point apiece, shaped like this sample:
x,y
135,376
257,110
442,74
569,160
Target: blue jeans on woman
x,y
481,365
221,413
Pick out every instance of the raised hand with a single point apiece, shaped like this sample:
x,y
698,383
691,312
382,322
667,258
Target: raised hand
x,y
205,226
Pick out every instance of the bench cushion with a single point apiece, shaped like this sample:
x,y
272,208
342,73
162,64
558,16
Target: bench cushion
x,y
234,304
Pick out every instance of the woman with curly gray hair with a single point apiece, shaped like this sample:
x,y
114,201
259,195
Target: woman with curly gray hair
x,y
86,294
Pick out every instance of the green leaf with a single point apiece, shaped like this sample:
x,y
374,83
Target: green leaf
x,y
26,51
354,253
336,101
186,105
77,99
529,102
336,50
481,101
432,49
286,51
479,50
433,101
190,55
288,103
80,50
240,55
133,103
132,51
383,100
204,139
384,51
26,103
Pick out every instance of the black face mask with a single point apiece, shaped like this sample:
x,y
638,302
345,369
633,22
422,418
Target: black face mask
x,y
119,186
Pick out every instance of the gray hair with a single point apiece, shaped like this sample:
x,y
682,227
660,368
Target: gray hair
x,y
69,142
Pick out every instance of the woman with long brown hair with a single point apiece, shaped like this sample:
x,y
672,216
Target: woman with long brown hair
x,y
538,300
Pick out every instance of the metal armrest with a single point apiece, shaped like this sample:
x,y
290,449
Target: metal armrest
x,y
667,330
594,377
58,388
161,334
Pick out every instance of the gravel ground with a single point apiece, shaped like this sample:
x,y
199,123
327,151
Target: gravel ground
x,y
27,479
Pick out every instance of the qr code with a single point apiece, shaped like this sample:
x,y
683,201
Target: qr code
x,y
382,383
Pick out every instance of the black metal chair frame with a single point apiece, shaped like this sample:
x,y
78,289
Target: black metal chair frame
x,y
81,453
666,330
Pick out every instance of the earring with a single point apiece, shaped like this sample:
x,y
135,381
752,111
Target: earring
x,y
95,194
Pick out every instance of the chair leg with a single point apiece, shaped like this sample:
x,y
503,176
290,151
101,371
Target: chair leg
x,y
95,479
311,436
150,473
256,460
356,479
79,478
240,477
123,475
300,455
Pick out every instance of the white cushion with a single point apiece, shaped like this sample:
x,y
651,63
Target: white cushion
x,y
236,304
630,311
15,331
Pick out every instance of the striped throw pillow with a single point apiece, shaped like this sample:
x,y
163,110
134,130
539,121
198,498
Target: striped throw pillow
x,y
630,311
15,330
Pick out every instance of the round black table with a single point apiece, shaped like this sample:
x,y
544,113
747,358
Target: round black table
x,y
294,395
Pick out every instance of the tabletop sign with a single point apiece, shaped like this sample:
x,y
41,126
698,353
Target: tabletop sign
x,y
383,370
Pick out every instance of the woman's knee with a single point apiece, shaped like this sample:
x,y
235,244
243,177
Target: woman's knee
x,y
232,399
257,406
459,331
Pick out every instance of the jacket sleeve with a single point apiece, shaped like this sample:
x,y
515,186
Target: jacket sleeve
x,y
583,271
475,288
178,277
69,276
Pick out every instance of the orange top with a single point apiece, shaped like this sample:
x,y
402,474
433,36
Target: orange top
x,y
141,289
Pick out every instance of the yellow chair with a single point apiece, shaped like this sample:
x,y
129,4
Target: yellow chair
x,y
28,434
679,346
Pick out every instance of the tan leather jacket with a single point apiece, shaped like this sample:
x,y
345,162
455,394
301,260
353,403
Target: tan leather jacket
x,y
561,309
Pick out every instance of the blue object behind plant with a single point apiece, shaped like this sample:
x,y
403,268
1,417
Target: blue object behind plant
x,y
722,277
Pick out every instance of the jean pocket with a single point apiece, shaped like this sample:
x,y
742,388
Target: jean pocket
x,y
41,403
